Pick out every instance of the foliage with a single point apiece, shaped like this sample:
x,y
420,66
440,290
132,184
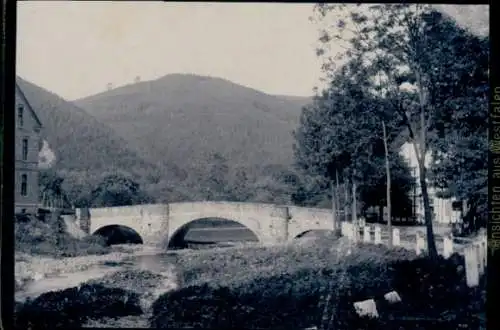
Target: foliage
x,y
70,308
40,238
460,127
181,120
342,133
79,140
118,189
373,194
287,286
411,46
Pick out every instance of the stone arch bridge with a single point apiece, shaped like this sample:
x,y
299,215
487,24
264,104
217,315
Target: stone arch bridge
x,y
158,224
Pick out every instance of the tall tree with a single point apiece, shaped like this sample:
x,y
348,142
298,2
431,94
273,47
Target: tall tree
x,y
341,133
118,189
395,44
459,139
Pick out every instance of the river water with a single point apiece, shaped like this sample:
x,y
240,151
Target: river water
x,y
140,258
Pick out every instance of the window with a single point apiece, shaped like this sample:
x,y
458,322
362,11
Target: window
x,y
20,115
25,149
24,185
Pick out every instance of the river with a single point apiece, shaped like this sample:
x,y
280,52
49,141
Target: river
x,y
139,257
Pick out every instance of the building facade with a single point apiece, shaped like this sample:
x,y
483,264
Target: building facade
x,y
442,209
28,138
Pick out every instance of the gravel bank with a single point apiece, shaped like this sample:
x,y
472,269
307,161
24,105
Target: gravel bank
x,y
32,268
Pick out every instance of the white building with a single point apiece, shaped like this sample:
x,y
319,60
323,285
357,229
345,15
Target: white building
x,y
442,208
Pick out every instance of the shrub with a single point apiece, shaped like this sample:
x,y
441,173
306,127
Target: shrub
x,y
40,238
435,287
69,308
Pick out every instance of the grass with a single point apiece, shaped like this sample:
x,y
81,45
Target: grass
x,y
288,286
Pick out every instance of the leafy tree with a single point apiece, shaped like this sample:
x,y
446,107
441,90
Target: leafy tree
x,y
341,134
398,46
373,194
239,185
118,189
51,183
459,139
214,180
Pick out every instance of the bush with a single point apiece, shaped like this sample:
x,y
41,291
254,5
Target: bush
x,y
435,287
40,238
70,308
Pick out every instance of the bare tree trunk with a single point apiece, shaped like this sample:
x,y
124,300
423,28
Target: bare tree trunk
x,y
346,201
354,210
388,196
337,199
431,244
354,205
334,206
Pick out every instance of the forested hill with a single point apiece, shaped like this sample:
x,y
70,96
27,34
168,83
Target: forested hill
x,y
80,141
184,119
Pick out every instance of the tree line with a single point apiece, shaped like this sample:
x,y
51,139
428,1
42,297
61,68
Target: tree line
x,y
408,74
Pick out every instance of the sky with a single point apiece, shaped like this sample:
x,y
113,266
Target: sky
x,y
75,48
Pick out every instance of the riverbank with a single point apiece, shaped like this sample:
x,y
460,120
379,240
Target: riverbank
x,y
258,286
60,273
266,286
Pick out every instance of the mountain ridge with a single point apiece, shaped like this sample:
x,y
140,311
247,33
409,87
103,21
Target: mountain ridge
x,y
73,134
243,124
199,76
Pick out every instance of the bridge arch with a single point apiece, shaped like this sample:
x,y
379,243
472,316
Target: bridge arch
x,y
119,234
263,220
179,238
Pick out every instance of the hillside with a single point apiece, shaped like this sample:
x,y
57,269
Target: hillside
x,y
183,119
80,141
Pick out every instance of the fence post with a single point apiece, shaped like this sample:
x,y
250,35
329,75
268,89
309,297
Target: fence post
x,y
378,235
355,232
471,266
480,258
366,234
420,246
395,237
344,228
484,245
448,246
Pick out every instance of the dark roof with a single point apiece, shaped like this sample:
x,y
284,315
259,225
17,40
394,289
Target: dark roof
x,y
18,89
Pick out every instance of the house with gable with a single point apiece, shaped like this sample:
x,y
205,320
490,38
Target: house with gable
x,y
27,138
